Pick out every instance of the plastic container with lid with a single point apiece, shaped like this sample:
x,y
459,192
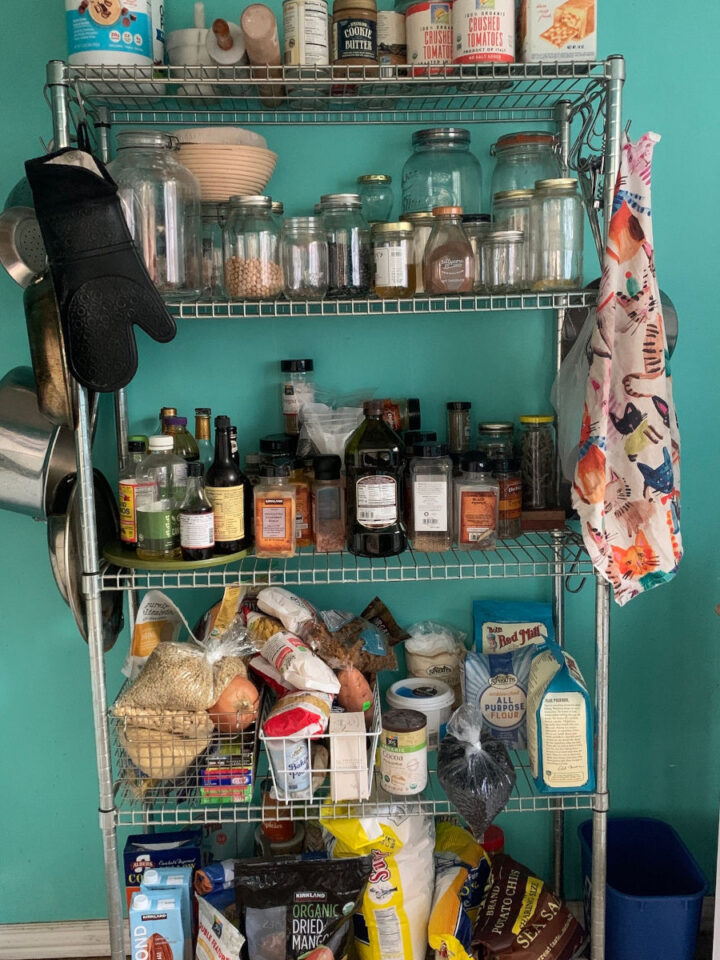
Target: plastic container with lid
x,y
476,227
431,697
430,498
509,478
496,439
376,196
328,505
503,261
304,255
348,237
298,388
477,493
537,461
403,752
161,203
274,504
106,37
393,260
251,245
422,223
522,158
557,218
441,171
448,264
458,412
354,32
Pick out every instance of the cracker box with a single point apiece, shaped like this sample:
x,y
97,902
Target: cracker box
x,y
557,30
145,851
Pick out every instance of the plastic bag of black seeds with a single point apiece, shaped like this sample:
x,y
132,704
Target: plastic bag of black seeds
x,y
288,908
474,770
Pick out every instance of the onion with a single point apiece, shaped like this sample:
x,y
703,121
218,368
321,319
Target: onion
x,y
236,707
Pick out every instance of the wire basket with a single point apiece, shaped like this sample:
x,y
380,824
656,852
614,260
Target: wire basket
x,y
343,771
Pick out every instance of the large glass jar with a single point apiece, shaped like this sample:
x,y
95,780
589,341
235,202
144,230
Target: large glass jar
x,y
556,230
441,171
304,258
476,227
376,195
161,203
348,237
523,158
511,211
212,250
393,268
251,244
503,256
422,223
537,461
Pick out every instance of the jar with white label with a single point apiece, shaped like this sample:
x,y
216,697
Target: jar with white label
x,y
484,35
393,260
403,752
430,492
109,32
298,389
476,504
428,34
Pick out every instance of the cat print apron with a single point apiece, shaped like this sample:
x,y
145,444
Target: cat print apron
x,y
626,488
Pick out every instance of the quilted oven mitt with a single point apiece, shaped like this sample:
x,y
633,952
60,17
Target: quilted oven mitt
x,y
100,280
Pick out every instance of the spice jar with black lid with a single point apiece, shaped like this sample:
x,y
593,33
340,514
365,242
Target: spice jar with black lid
x,y
507,472
430,519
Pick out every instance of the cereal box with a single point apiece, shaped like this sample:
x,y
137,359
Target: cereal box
x,y
147,851
557,30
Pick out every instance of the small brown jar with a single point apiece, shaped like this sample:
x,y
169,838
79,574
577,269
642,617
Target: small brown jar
x,y
354,32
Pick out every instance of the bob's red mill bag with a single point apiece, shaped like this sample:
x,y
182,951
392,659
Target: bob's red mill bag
x,y
520,918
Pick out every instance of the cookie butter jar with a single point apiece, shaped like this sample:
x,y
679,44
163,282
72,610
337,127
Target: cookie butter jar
x,y
354,32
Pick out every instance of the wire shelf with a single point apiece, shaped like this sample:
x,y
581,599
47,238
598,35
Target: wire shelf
x,y
229,309
530,555
322,94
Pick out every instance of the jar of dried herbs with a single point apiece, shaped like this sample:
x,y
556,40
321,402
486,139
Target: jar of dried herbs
x,y
507,472
537,461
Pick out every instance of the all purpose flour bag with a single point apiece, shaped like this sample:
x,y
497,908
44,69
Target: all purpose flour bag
x,y
498,684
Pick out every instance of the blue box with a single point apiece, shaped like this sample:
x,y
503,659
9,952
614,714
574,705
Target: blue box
x,y
654,890
143,851
158,880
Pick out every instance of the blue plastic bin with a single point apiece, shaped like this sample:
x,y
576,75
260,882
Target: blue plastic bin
x,y
654,890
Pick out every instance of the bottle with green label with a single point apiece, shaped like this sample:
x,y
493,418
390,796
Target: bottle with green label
x,y
163,476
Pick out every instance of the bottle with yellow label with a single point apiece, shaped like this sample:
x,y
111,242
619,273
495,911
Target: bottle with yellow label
x,y
229,492
130,489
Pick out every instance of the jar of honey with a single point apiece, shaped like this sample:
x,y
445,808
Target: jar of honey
x,y
393,260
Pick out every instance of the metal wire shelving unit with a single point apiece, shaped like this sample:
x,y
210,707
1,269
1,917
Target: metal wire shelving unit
x,y
584,102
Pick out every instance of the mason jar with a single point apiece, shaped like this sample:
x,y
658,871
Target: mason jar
x,y
476,227
161,203
348,238
522,158
422,223
393,260
556,230
376,196
441,172
304,254
496,440
511,211
537,461
502,261
251,248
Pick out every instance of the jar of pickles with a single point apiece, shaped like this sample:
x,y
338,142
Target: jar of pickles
x,y
376,196
251,245
422,223
476,227
556,230
502,261
522,158
393,260
348,237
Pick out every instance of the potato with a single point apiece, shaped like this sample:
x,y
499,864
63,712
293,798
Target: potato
x,y
355,695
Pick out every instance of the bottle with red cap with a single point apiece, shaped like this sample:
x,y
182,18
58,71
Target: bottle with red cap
x,y
493,841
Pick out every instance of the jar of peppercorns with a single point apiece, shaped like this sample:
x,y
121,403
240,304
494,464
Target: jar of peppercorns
x,y
251,250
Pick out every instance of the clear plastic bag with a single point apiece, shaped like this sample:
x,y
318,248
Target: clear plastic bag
x,y
326,431
474,770
568,397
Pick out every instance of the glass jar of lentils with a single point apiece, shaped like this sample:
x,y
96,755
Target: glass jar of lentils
x,y
348,237
251,250
537,461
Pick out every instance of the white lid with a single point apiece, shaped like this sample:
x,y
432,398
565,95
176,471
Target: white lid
x,y
140,902
160,442
151,877
424,694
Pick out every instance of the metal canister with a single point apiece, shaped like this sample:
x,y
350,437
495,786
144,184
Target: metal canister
x,y
305,24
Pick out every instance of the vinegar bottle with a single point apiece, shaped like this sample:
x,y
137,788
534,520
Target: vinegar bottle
x,y
197,521
228,490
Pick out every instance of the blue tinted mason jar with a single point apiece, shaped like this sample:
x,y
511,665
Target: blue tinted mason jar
x,y
441,172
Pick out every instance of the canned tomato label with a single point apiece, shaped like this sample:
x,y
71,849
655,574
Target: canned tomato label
x,y
305,25
484,31
391,37
429,33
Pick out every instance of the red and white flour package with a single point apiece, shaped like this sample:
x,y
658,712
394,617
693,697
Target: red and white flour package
x,y
301,714
298,665
272,677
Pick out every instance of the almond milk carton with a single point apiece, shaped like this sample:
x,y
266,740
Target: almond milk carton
x,y
160,879
557,30
156,929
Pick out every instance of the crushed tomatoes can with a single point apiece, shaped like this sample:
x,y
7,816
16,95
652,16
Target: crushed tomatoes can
x,y
483,31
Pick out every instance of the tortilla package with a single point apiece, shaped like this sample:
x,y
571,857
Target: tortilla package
x,y
289,909
521,918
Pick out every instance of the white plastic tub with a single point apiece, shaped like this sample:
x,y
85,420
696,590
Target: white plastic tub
x,y
431,697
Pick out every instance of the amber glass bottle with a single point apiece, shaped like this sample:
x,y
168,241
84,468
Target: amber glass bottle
x,y
229,492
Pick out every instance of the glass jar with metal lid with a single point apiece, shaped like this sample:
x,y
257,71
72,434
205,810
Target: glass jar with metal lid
x,y
304,255
502,261
161,203
511,211
522,158
376,196
441,171
537,461
212,251
348,237
393,268
476,227
251,245
278,211
496,440
556,230
422,222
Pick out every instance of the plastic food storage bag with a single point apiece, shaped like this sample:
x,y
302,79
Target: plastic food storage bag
x,y
474,770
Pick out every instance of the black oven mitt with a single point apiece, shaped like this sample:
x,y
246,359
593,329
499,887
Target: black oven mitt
x,y
100,280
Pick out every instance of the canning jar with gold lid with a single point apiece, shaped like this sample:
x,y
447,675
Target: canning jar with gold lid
x,y
393,260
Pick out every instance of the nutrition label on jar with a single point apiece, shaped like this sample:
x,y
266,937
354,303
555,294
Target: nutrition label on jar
x,y
430,505
376,500
391,268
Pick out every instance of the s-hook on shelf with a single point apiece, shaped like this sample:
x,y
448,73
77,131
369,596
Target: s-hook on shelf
x,y
584,102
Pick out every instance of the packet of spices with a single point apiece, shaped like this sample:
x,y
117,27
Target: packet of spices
x,y
379,616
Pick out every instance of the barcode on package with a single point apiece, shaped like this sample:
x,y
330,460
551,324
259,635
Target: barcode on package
x,y
389,934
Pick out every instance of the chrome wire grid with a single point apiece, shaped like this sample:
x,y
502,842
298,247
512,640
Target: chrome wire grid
x,y
321,94
530,555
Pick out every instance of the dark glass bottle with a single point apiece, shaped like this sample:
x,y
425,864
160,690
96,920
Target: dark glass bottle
x,y
229,492
374,460
234,445
197,525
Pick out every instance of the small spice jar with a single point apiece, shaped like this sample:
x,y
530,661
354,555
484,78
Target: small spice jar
x,y
537,461
278,448
430,526
476,227
354,32
503,257
448,262
376,196
393,260
496,439
274,503
477,494
422,222
458,412
328,505
304,254
348,237
511,211
251,245
303,504
556,229
298,388
507,471
403,752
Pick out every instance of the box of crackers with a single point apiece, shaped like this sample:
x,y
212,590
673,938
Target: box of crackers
x,y
557,30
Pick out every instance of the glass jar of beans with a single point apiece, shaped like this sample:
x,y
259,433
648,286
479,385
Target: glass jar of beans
x,y
251,250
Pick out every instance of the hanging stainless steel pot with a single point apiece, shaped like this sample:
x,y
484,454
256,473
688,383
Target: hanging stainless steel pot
x,y
47,352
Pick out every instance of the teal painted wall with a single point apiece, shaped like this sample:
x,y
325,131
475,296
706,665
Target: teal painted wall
x,y
664,739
